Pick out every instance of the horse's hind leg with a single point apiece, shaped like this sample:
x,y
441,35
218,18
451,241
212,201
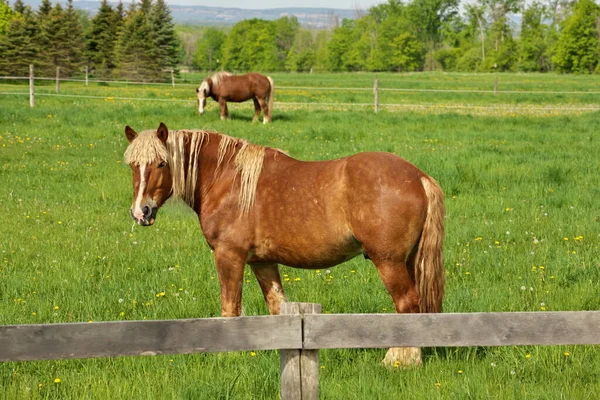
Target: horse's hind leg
x,y
256,110
265,109
270,283
400,284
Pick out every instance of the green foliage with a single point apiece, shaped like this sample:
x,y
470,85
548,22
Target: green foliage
x,y
302,55
578,45
6,14
534,42
209,50
251,45
394,36
339,45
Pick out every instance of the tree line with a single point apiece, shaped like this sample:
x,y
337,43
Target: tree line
x,y
139,43
552,35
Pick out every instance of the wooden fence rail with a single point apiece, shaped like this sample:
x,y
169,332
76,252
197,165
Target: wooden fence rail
x,y
299,333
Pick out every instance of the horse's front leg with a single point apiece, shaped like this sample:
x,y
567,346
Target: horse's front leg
x,y
223,108
270,284
230,269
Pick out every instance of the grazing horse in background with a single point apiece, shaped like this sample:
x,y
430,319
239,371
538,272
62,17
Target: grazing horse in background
x,y
261,207
224,87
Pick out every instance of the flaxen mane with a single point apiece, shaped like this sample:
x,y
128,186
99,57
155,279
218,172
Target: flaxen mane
x,y
216,78
248,161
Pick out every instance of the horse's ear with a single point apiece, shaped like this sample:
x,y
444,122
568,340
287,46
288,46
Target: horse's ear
x,y
130,134
162,132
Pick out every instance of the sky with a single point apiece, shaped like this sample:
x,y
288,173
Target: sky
x,y
262,4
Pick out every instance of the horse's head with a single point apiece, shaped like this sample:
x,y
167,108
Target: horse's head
x,y
152,182
202,92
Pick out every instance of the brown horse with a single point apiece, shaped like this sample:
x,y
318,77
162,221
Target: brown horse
x,y
261,207
224,87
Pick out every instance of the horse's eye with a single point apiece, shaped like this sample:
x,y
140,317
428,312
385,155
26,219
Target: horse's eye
x,y
162,164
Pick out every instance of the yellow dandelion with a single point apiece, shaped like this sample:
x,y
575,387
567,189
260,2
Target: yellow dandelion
x,y
567,354
396,364
40,385
322,367
478,238
460,371
297,279
122,314
438,384
252,354
467,273
527,355
566,238
161,294
56,308
57,380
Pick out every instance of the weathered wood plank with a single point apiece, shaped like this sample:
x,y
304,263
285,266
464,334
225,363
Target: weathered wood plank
x,y
309,360
299,368
469,329
131,338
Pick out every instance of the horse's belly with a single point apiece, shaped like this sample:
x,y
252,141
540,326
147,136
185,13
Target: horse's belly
x,y
301,252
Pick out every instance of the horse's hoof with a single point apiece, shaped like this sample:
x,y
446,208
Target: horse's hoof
x,y
402,357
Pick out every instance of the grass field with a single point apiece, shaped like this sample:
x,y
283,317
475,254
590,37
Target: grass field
x,y
523,234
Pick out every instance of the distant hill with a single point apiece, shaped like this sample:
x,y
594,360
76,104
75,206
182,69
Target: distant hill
x,y
308,17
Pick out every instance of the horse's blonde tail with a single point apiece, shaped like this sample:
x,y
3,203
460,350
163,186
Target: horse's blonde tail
x,y
429,262
271,96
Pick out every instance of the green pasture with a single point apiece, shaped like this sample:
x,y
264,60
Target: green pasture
x,y
522,234
441,89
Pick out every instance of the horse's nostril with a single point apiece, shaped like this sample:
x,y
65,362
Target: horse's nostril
x,y
147,211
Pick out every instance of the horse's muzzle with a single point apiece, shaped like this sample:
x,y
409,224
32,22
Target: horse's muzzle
x,y
148,218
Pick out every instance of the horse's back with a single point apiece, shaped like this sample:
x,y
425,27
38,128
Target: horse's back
x,y
328,210
238,88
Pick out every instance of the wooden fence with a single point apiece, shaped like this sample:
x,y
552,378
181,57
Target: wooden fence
x,y
298,333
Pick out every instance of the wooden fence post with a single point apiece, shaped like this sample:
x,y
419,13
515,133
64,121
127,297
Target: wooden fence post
x,y
86,75
496,84
299,368
31,87
172,77
376,92
57,79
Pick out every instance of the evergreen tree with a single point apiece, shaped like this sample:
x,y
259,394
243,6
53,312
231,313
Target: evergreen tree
x,y
166,41
73,55
578,45
100,41
18,46
45,38
135,50
19,7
